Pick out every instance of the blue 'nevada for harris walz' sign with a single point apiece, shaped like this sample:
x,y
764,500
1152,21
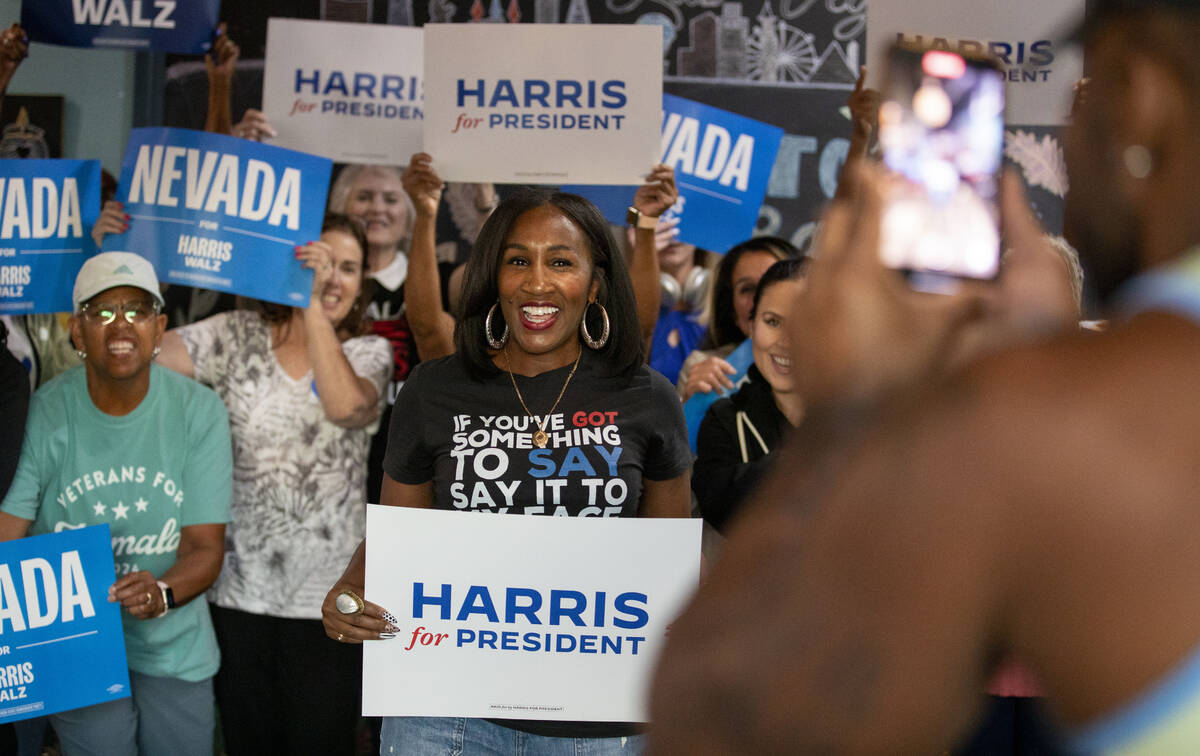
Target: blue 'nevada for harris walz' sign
x,y
47,209
722,163
61,643
222,213
177,26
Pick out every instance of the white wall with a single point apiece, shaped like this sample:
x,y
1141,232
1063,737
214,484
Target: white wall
x,y
97,86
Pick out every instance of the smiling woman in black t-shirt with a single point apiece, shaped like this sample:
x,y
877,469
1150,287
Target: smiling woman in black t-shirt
x,y
546,408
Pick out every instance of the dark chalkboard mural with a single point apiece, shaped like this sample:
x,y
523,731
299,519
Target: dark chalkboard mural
x,y
790,63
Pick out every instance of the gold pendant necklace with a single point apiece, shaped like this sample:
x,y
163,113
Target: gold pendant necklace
x,y
540,439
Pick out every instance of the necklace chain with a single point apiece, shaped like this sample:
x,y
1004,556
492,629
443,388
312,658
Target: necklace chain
x,y
540,438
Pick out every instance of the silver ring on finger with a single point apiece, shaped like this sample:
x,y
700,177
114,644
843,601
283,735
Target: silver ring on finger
x,y
340,637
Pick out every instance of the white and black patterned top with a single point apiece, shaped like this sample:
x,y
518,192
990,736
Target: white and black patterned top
x,y
298,479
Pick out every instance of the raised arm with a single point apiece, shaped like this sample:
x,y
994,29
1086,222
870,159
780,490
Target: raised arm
x,y
220,64
864,122
14,48
652,199
348,399
432,327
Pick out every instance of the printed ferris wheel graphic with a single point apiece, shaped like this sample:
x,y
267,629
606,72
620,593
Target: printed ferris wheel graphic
x,y
777,51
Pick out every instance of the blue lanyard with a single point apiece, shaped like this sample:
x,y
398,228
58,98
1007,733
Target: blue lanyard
x,y
1174,288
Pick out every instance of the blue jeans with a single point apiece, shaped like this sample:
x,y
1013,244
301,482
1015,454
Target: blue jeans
x,y
451,736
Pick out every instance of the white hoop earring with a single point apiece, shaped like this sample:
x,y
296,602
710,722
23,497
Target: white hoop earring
x,y
81,354
493,342
583,331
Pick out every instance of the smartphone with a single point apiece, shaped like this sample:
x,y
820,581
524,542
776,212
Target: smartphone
x,y
941,133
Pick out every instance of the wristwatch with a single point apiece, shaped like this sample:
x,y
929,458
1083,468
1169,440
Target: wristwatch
x,y
635,218
168,596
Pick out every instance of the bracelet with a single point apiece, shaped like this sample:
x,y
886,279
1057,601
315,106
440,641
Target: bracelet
x,y
168,597
638,219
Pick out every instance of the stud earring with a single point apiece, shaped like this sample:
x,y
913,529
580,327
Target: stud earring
x,y
1138,161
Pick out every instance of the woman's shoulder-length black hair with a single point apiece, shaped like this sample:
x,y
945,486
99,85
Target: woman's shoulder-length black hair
x,y
788,269
722,326
624,351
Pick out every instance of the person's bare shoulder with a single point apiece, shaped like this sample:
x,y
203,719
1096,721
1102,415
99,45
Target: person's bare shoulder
x,y
1092,445
1037,503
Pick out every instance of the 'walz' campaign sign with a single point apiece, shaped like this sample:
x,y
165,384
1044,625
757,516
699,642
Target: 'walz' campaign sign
x,y
222,213
47,209
722,163
61,643
525,617
176,26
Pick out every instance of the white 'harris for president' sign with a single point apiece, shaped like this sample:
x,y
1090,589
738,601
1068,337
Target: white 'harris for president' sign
x,y
348,92
557,618
528,104
1025,36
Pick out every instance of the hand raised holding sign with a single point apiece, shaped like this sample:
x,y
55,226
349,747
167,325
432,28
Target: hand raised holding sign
x,y
422,184
254,125
14,48
432,327
222,60
317,256
112,220
651,200
658,193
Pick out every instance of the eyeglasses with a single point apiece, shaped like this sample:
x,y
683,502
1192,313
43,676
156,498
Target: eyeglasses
x,y
103,313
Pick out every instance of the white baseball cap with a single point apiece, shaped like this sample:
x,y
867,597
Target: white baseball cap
x,y
110,269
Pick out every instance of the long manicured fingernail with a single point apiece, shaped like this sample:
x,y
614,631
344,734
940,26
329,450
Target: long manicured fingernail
x,y
392,628
390,619
386,636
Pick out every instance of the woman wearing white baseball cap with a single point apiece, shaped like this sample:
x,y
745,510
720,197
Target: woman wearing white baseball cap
x,y
167,514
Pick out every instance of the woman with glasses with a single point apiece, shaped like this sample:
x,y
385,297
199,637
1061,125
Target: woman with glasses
x,y
304,388
96,451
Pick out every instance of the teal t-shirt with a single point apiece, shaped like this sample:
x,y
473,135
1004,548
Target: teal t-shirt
x,y
149,474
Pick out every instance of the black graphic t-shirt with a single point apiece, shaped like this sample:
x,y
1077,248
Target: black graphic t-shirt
x,y
475,442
